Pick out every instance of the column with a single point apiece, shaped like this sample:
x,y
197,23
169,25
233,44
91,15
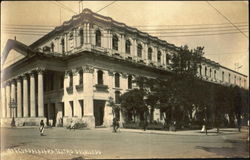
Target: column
x,y
32,95
67,109
25,96
77,107
88,90
19,97
85,33
13,97
40,94
8,99
3,102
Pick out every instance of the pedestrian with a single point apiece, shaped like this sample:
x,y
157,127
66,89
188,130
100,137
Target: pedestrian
x,y
72,125
145,124
115,126
41,128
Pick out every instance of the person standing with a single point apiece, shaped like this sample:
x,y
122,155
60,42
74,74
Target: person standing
x,y
41,128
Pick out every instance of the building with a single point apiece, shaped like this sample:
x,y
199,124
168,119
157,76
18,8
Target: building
x,y
70,73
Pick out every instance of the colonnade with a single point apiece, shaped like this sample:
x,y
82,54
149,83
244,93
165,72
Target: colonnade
x,y
16,90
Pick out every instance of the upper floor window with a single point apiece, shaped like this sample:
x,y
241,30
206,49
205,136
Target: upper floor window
x,y
81,36
240,82
98,38
210,72
115,42
99,77
234,79
61,81
205,71
80,77
167,59
129,82
159,56
200,68
150,53
222,75
139,50
63,45
52,46
229,78
117,80
127,46
70,79
214,74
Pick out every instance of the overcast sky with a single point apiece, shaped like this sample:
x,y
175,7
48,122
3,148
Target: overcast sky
x,y
162,19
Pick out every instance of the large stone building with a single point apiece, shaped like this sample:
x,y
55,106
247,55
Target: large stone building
x,y
70,73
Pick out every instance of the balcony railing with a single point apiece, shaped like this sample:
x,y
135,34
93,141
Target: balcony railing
x,y
79,87
101,87
69,89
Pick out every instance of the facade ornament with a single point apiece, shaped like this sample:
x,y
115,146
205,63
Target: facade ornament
x,y
75,71
124,75
88,69
67,73
110,72
40,70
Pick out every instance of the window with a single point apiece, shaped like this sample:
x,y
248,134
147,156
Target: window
x,y
127,46
72,108
167,59
210,72
117,80
117,97
159,56
214,74
81,36
222,75
129,82
99,77
98,38
115,42
240,82
139,50
229,78
82,108
150,53
200,67
70,79
63,45
52,46
205,71
80,77
234,79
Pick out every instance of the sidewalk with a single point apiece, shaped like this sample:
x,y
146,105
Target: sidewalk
x,y
211,132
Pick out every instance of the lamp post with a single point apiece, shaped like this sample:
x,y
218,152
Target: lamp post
x,y
12,106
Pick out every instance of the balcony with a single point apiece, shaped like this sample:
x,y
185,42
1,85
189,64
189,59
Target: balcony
x,y
79,87
101,88
70,89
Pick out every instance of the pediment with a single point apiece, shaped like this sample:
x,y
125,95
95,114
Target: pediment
x,y
13,57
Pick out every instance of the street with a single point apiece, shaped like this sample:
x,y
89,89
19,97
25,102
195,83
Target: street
x,y
26,143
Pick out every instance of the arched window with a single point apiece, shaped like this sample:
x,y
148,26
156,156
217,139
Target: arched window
x,y
127,46
63,45
222,75
214,74
52,46
159,56
129,82
98,38
139,50
99,77
234,79
200,70
115,42
167,59
210,72
150,53
81,36
229,78
117,80
81,77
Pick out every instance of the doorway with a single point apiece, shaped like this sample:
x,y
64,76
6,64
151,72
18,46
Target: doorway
x,y
99,112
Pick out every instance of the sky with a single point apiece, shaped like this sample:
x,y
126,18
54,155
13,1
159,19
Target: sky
x,y
192,23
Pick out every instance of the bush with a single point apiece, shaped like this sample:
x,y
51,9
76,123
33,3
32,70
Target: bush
x,y
80,125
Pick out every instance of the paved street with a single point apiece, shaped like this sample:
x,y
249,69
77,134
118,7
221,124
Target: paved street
x,y
59,143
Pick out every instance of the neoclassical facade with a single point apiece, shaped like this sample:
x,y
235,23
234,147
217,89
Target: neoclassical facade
x,y
70,73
